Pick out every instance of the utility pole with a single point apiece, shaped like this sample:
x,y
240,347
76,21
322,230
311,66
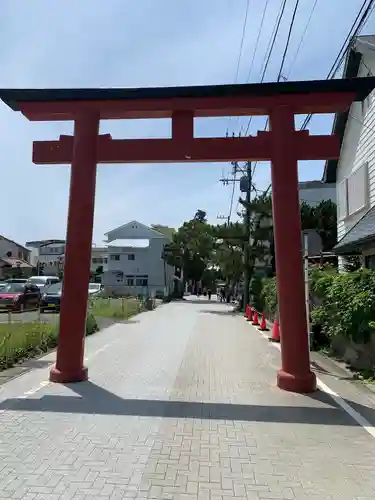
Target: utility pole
x,y
245,187
247,224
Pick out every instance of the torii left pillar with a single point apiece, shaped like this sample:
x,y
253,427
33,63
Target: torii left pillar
x,y
69,365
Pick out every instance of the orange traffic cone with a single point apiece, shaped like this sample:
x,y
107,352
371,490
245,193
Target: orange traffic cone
x,y
275,332
246,314
250,315
263,324
255,319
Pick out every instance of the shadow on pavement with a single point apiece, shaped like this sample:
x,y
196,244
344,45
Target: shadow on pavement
x,y
106,322
229,312
92,399
199,302
23,367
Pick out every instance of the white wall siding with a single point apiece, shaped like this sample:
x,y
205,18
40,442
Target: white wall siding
x,y
357,153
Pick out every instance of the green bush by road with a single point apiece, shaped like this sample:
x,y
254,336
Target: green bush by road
x,y
344,303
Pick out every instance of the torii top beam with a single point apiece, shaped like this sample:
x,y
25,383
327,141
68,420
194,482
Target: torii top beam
x,y
319,96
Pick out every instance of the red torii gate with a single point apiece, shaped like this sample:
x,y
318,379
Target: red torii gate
x,y
282,145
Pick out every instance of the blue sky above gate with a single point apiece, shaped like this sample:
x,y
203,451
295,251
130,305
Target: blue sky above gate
x,y
92,43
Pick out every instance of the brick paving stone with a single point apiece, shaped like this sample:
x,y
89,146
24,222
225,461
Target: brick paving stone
x,y
181,404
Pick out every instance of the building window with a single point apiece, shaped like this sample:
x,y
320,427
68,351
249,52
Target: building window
x,y
357,190
141,282
352,193
119,277
342,199
131,256
105,260
115,257
370,261
130,282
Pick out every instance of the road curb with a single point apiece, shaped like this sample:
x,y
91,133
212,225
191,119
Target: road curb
x,y
320,361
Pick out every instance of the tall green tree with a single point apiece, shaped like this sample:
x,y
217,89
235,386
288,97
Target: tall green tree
x,y
191,247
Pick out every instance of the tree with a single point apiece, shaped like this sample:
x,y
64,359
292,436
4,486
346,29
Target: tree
x,y
261,231
191,247
200,215
321,217
228,251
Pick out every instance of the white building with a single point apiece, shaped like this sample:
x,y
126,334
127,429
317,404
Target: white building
x,y
314,192
135,264
99,259
354,172
49,254
13,256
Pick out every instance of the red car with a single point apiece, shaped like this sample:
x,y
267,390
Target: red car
x,y
19,297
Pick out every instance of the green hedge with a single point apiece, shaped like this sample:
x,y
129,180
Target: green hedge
x,y
269,295
347,303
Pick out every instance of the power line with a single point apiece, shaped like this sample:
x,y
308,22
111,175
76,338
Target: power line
x,y
269,50
241,48
255,49
257,40
363,18
288,39
274,38
289,35
302,38
242,40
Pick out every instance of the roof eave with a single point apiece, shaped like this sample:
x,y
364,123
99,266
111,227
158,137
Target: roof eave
x,y
352,65
354,247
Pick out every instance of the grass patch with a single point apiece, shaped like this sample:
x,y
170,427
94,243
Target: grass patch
x,y
20,341
116,308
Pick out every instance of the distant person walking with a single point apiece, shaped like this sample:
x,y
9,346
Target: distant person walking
x,y
209,293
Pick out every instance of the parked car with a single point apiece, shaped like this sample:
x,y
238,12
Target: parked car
x,y
95,288
19,297
2,284
43,281
51,297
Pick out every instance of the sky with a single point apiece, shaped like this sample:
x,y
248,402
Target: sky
x,y
145,43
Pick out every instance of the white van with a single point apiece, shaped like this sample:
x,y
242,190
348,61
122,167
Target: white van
x,y
42,281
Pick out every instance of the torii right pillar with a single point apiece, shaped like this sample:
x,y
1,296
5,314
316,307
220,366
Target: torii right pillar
x,y
295,373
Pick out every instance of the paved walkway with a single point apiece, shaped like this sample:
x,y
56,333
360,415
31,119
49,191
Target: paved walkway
x,y
181,404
